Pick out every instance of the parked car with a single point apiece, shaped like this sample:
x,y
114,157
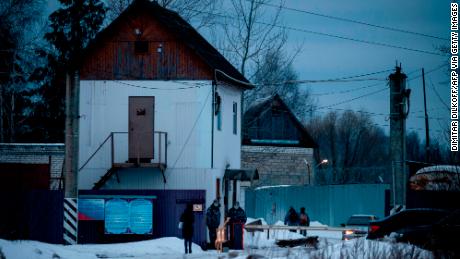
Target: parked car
x,y
357,226
433,229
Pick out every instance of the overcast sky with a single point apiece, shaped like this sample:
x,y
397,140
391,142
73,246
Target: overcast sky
x,y
325,57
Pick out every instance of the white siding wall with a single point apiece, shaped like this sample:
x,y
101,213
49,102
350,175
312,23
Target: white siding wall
x,y
227,146
104,109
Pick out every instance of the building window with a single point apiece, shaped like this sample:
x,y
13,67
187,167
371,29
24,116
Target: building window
x,y
235,117
141,47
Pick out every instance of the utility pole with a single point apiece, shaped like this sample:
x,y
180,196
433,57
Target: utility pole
x,y
398,97
427,129
71,134
70,234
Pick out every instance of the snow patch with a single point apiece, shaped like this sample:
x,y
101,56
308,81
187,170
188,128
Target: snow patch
x,y
144,249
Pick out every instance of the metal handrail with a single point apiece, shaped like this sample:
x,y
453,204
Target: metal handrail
x,y
95,152
111,136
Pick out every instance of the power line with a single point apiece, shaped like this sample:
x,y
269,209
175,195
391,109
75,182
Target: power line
x,y
188,85
345,79
354,21
346,91
429,71
374,114
329,35
350,100
438,95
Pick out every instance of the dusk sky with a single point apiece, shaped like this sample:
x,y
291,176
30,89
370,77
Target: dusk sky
x,y
325,57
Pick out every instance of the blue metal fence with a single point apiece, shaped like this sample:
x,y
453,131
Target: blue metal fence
x,y
32,215
328,204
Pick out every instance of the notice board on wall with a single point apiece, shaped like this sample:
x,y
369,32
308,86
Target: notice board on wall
x,y
91,209
129,216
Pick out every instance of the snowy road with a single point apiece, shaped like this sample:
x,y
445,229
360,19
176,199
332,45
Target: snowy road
x,y
172,248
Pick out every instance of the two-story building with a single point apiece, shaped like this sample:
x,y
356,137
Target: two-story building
x,y
160,113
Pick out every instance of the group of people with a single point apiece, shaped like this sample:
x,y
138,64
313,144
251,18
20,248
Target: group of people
x,y
293,218
236,216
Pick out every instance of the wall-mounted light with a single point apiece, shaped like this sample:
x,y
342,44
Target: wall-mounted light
x,y
160,48
138,32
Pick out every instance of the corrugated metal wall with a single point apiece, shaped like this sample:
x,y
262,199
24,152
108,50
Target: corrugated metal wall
x,y
167,208
32,215
330,204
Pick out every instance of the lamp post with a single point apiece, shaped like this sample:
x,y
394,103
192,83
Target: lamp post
x,y
324,161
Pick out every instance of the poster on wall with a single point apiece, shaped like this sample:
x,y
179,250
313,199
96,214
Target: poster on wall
x,y
128,216
90,209
140,218
116,216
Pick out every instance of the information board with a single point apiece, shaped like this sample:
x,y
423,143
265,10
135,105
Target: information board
x,y
128,216
116,216
140,218
90,209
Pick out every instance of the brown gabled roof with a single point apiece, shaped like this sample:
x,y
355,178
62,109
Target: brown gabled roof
x,y
185,32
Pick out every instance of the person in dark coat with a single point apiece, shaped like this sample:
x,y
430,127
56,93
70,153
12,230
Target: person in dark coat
x,y
237,220
213,220
187,218
237,214
304,221
291,218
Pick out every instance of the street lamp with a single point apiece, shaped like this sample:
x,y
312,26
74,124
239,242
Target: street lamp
x,y
324,161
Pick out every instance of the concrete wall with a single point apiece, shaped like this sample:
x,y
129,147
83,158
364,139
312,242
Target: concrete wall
x,y
329,204
278,165
35,153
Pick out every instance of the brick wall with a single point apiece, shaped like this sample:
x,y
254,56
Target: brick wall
x,y
278,165
36,154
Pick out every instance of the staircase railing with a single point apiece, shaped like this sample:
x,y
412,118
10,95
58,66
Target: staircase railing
x,y
160,151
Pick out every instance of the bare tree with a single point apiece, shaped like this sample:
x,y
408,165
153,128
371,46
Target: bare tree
x,y
200,13
251,32
352,143
276,75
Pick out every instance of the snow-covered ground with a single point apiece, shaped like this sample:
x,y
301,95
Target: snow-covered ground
x,y
330,246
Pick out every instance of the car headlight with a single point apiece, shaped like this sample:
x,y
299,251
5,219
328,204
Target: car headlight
x,y
349,232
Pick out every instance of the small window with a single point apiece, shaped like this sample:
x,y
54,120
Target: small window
x,y
141,47
235,118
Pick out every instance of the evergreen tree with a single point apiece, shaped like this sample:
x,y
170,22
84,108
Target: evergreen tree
x,y
72,28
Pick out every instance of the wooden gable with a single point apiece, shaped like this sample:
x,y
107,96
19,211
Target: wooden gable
x,y
271,122
139,47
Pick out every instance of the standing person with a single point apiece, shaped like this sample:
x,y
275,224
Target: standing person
x,y
291,218
213,220
237,220
304,221
187,218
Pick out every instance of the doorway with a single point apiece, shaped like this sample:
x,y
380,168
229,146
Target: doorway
x,y
141,128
